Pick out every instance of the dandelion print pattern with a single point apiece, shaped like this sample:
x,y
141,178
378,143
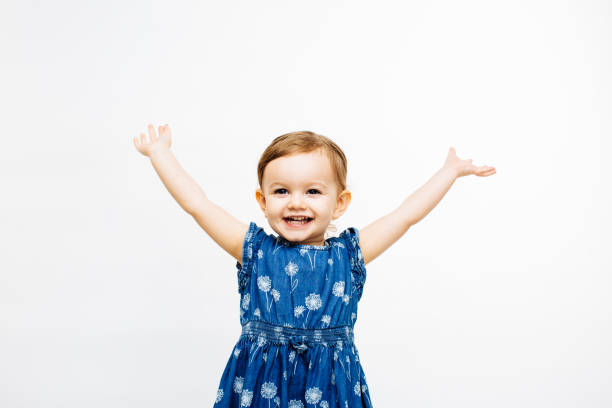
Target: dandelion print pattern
x,y
246,299
304,251
246,398
296,404
238,383
313,302
313,395
287,356
297,312
275,294
268,391
291,269
219,395
264,284
338,245
338,289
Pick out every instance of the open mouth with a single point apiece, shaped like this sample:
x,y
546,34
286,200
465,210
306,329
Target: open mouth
x,y
297,220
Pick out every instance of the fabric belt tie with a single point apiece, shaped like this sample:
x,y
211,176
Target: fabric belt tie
x,y
299,339
298,343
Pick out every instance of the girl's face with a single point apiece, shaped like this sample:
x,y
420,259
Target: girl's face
x,y
301,185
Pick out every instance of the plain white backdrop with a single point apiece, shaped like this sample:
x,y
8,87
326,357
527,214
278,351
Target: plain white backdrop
x,y
112,296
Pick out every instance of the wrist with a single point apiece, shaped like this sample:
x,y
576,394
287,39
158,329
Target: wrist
x,y
452,170
157,149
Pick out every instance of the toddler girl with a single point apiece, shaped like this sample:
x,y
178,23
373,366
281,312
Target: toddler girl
x,y
299,289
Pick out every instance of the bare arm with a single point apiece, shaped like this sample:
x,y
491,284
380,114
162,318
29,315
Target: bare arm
x,y
381,234
221,226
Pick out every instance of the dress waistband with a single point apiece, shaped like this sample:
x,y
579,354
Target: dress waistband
x,y
299,338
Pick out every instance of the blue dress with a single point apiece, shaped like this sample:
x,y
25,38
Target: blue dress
x,y
298,307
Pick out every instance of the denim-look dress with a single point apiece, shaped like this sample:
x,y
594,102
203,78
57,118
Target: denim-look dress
x,y
298,306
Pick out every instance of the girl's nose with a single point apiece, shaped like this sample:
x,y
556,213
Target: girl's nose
x,y
296,201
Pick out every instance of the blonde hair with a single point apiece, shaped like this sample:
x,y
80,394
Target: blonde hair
x,y
304,142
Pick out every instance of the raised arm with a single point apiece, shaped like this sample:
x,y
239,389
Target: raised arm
x,y
375,238
221,226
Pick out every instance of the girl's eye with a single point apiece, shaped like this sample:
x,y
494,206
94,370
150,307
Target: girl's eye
x,y
315,191
280,191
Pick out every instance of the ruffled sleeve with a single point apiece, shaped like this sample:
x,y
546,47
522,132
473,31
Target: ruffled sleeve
x,y
350,239
250,250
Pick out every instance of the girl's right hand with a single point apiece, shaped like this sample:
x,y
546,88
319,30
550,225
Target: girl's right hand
x,y
146,147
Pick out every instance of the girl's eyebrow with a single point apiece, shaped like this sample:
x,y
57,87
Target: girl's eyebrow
x,y
319,183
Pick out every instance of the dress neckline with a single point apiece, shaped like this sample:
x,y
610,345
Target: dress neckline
x,y
327,244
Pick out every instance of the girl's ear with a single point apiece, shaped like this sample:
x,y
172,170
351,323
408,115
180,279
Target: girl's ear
x,y
261,199
342,203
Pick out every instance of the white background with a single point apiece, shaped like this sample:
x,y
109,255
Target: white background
x,y
112,296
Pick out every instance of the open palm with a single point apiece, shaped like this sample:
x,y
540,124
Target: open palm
x,y
145,146
465,167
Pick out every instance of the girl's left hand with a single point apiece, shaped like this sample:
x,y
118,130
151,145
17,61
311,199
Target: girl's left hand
x,y
465,167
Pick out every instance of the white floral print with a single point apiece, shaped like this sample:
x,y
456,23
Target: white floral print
x,y
238,383
313,302
338,245
268,391
246,299
330,301
219,395
305,251
291,269
298,310
245,398
313,395
338,289
264,283
261,341
364,388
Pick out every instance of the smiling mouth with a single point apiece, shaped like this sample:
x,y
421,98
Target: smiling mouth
x,y
297,220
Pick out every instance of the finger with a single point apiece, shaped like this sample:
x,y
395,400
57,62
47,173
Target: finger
x,y
152,133
143,138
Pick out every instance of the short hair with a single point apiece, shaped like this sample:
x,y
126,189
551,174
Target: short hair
x,y
304,142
